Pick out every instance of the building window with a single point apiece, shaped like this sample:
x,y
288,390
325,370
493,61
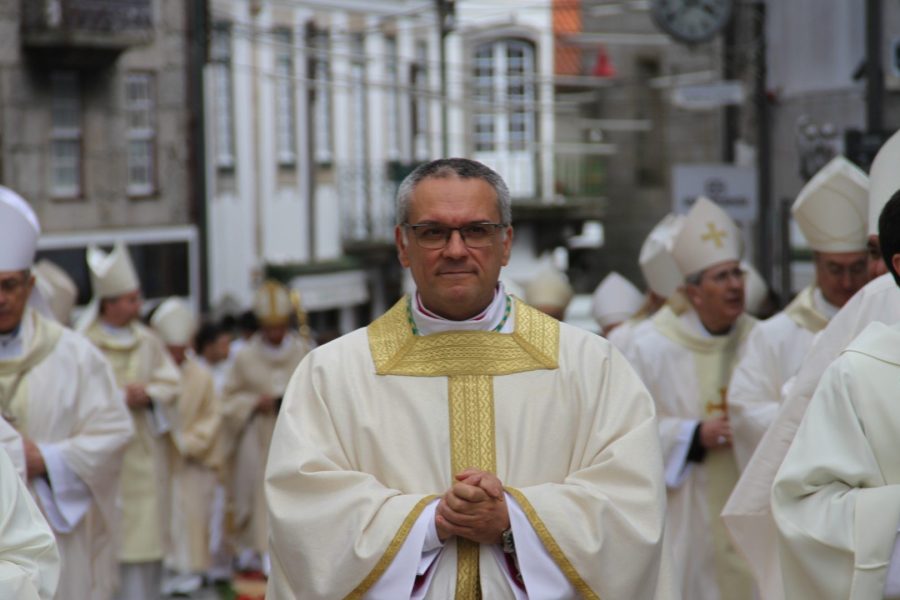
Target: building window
x,y
419,113
504,90
220,57
322,98
140,108
286,125
393,100
65,135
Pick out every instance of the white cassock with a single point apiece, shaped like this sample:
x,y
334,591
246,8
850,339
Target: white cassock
x,y
687,371
194,468
67,402
775,349
11,442
29,560
748,514
836,498
376,423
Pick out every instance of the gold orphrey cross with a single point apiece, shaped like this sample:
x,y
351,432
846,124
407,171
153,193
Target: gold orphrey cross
x,y
716,235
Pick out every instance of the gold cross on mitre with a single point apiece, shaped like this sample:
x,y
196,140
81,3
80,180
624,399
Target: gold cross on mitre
x,y
716,235
722,405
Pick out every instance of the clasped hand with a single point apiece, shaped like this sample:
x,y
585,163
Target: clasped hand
x,y
473,508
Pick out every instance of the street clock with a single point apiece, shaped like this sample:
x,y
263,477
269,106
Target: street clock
x,y
692,21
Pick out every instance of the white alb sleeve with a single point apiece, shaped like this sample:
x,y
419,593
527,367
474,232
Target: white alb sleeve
x,y
892,582
677,467
66,498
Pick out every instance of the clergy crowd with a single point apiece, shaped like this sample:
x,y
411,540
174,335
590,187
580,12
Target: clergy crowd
x,y
467,443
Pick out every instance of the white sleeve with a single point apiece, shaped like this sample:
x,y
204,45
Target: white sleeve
x,y
677,467
542,577
415,557
66,498
892,582
157,419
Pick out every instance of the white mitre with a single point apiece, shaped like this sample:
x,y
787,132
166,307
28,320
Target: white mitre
x,y
657,264
19,231
57,290
756,291
884,179
550,287
707,237
831,210
112,274
272,303
615,300
174,321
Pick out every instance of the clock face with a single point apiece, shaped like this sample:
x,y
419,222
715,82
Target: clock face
x,y
692,21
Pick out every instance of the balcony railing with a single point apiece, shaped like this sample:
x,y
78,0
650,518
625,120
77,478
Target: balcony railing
x,y
89,24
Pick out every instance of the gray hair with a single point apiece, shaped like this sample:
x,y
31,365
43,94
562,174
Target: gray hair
x,y
463,168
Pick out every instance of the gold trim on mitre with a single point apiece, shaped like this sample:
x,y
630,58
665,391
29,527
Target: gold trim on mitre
x,y
397,351
388,557
552,547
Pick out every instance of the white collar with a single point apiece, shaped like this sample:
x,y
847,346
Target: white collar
x,y
826,308
487,320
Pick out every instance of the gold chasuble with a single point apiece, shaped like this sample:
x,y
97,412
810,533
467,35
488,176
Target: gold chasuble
x,y
469,360
376,424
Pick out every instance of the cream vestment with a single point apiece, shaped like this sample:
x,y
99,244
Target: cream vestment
x,y
65,399
376,423
836,497
687,372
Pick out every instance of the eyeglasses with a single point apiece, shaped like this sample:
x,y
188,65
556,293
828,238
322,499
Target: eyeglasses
x,y
434,236
12,285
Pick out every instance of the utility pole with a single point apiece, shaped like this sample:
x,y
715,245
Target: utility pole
x,y
446,10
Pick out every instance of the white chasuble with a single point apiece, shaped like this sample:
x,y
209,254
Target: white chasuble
x,y
775,350
748,514
29,561
141,357
69,405
376,423
258,369
687,374
195,463
836,497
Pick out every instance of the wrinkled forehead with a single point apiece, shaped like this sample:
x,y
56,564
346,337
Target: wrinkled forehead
x,y
451,196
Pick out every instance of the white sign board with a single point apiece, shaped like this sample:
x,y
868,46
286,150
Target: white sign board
x,y
706,96
731,187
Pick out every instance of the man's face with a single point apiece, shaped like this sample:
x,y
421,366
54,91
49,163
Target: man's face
x,y
221,347
841,274
178,353
456,281
122,310
719,297
274,334
15,288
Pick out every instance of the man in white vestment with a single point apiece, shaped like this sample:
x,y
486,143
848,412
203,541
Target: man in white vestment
x,y
831,212
29,560
836,497
150,382
614,301
663,280
194,460
747,514
59,392
465,445
686,362
251,400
